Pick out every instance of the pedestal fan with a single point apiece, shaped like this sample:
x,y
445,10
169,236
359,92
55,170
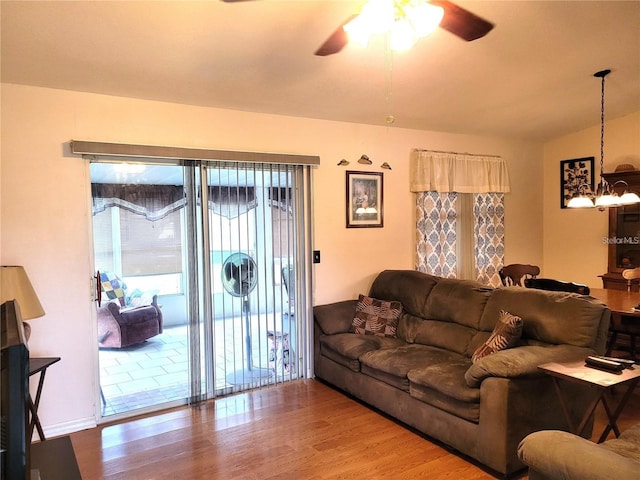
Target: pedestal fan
x,y
239,278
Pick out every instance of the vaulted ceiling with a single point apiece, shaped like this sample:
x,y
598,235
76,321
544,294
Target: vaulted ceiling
x,y
531,77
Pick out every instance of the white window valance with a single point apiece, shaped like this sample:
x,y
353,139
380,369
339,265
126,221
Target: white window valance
x,y
155,202
433,171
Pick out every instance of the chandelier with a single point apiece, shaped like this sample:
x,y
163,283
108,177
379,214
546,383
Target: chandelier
x,y
605,195
406,21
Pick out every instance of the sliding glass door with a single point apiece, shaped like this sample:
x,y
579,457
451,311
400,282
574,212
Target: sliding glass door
x,y
202,275
141,252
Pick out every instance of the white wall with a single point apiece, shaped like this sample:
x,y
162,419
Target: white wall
x,y
45,220
573,239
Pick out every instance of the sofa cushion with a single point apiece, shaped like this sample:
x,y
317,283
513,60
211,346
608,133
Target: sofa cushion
x,y
409,287
408,327
506,334
457,301
448,378
443,385
376,317
335,317
346,348
392,365
552,317
448,335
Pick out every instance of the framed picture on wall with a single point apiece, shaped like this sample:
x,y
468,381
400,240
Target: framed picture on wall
x,y
365,206
575,175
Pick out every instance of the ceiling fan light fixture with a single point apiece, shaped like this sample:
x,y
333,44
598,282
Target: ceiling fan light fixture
x,y
358,31
424,17
376,17
406,21
379,15
402,35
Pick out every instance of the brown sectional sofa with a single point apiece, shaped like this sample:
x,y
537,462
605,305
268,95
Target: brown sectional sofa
x,y
425,378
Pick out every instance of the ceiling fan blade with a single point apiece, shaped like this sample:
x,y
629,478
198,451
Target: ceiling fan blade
x,y
461,22
336,41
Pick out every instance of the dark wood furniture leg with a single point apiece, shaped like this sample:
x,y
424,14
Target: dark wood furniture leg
x,y
587,414
38,365
613,417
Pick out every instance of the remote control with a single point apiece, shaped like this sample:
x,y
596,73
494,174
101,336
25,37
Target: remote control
x,y
610,365
625,361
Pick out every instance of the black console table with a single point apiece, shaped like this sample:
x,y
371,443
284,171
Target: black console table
x,y
54,460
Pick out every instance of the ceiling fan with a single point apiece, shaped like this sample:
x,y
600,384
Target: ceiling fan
x,y
457,20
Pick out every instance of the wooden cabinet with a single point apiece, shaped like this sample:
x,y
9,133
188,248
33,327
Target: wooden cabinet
x,y
624,234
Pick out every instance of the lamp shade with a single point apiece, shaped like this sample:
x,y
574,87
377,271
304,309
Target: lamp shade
x,y
580,201
15,285
629,198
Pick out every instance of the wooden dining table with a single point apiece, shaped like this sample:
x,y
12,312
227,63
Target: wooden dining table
x,y
620,302
625,320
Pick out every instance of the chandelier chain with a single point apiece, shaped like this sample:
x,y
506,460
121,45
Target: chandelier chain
x,y
602,127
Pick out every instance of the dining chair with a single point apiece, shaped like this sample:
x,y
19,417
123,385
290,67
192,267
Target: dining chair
x,y
626,325
556,285
513,274
630,274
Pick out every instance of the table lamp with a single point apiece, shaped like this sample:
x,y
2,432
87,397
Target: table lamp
x,y
15,285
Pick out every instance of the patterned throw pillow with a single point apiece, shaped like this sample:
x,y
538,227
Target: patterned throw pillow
x,y
113,287
376,317
506,334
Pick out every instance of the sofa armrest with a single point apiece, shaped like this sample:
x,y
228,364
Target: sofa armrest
x,y
522,361
335,317
552,454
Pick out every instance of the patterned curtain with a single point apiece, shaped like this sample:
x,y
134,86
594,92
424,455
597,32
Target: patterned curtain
x,y
488,212
436,231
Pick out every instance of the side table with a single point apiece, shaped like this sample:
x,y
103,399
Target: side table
x,y
600,381
38,365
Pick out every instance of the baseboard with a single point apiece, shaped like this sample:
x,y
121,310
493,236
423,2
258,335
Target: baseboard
x,y
52,431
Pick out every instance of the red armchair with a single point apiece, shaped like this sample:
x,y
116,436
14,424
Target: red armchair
x,y
121,324
120,327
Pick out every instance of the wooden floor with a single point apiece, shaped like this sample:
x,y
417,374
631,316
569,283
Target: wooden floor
x,y
302,430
